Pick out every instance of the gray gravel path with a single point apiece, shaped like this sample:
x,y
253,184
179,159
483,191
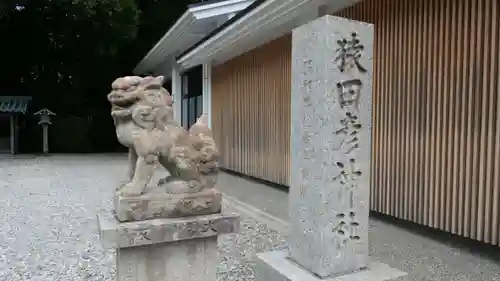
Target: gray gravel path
x,y
48,228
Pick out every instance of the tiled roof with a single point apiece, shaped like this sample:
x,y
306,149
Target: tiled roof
x,y
13,104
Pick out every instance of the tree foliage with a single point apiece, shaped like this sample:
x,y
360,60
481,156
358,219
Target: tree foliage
x,y
59,49
65,54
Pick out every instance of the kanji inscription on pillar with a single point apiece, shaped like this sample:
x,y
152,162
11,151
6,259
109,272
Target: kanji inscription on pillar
x,y
330,145
349,53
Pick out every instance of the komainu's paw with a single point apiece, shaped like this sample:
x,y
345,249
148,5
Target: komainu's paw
x,y
165,180
129,190
122,184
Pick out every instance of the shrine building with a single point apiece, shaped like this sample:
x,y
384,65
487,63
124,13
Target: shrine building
x,y
11,108
436,86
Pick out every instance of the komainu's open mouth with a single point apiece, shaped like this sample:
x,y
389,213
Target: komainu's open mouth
x,y
121,100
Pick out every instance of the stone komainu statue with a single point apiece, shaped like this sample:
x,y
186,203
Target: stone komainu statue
x,y
143,116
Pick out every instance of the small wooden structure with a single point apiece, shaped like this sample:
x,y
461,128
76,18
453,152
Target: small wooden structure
x,y
11,107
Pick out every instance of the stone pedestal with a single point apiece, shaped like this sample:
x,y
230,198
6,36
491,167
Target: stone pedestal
x,y
166,249
330,153
154,205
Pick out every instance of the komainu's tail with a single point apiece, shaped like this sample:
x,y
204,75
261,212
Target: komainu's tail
x,y
203,142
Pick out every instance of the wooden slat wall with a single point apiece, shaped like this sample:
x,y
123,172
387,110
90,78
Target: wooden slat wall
x,y
251,111
436,122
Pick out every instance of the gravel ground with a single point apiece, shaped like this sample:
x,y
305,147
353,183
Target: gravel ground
x,y
48,229
237,251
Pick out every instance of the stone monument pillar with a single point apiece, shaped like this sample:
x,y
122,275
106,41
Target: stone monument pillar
x,y
330,155
165,231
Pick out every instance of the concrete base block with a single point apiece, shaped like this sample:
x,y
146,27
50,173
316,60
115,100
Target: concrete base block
x,y
192,260
114,234
275,266
166,249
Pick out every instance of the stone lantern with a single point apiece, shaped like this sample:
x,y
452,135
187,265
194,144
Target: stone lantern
x,y
45,122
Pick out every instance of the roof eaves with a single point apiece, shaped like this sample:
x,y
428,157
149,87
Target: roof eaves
x,y
185,20
239,15
14,104
199,4
188,18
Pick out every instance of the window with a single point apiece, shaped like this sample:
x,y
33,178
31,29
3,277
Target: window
x,y
192,99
